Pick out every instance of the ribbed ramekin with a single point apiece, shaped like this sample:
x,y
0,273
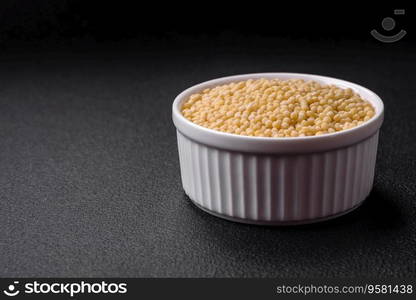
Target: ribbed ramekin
x,y
274,181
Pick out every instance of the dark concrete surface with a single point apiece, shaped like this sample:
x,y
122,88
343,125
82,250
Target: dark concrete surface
x,y
89,171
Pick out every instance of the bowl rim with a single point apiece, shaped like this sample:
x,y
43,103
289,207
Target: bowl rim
x,y
235,142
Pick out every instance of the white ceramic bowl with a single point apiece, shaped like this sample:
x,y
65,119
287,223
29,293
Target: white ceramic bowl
x,y
274,181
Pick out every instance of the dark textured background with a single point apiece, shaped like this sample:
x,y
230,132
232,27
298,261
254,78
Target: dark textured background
x,y
89,173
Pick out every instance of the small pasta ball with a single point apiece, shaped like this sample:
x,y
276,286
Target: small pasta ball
x,y
277,108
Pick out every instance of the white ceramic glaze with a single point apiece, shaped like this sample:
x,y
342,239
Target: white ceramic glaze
x,y
264,180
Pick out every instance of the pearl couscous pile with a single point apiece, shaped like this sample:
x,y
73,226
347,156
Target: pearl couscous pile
x,y
277,108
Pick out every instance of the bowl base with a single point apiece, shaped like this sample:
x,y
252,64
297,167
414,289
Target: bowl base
x,y
276,223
